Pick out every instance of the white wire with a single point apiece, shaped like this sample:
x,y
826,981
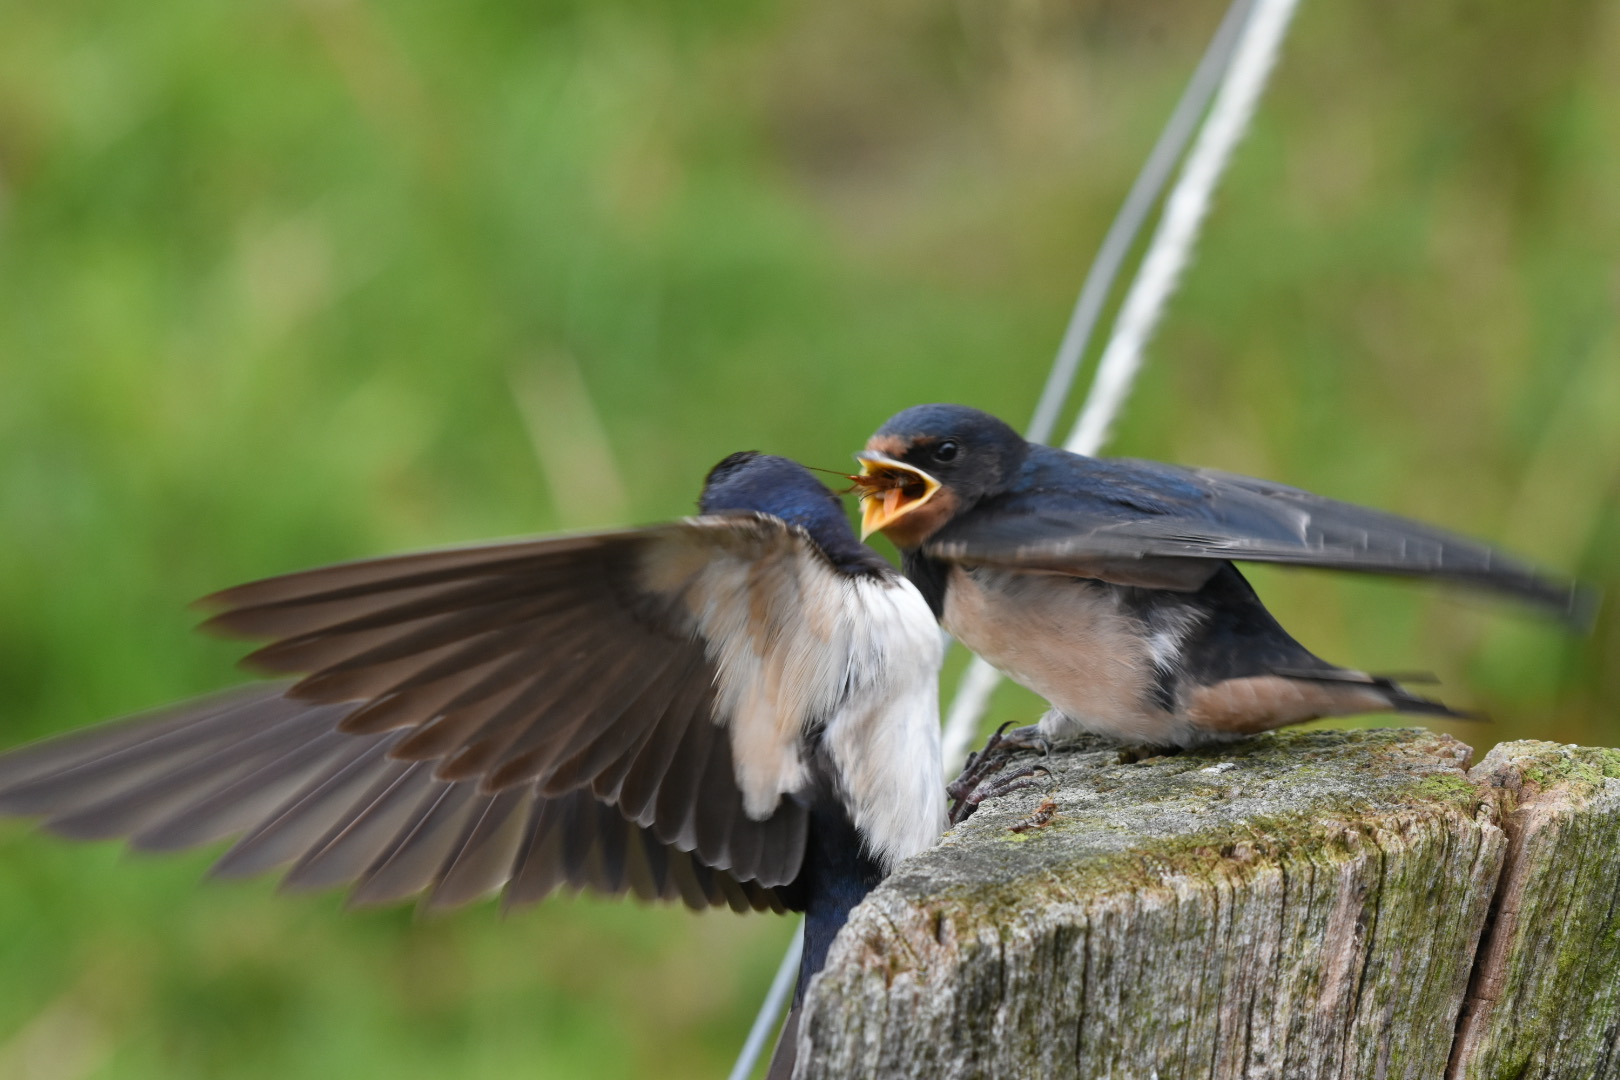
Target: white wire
x,y
1184,212
972,701
1246,67
1254,56
781,986
979,681
1133,213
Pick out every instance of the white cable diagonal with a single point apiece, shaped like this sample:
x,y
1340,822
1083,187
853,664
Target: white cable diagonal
x,y
1184,212
1149,184
1252,59
1242,54
782,985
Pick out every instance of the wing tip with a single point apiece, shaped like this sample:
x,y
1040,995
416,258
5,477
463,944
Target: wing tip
x,y
221,622
1581,606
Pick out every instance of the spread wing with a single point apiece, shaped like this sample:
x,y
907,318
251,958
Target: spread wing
x,y
337,809
1141,522
612,693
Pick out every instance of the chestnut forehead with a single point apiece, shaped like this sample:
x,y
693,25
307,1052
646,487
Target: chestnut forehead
x,y
890,445
898,446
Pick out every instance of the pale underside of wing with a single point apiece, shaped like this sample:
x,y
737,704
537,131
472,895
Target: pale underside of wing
x,y
1142,523
338,809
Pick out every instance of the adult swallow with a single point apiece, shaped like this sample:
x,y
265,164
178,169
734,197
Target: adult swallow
x,y
1107,585
738,708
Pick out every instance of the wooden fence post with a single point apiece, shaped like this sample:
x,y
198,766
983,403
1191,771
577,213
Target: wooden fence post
x,y
1306,904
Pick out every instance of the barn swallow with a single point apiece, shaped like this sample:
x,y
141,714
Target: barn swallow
x,y
738,708
1107,586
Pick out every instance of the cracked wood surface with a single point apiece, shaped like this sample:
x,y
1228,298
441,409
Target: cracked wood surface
x,y
1303,904
1545,998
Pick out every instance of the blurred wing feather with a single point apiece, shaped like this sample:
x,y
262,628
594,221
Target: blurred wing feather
x,y
341,809
575,662
1139,522
536,714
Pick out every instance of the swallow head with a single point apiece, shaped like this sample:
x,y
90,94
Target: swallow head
x,y
755,483
930,463
767,484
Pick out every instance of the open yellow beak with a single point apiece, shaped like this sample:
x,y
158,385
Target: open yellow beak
x,y
890,490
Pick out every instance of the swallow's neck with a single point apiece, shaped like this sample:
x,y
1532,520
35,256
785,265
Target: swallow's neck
x,y
929,575
844,551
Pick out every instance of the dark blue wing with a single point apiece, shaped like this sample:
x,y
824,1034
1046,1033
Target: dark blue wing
x,y
1141,522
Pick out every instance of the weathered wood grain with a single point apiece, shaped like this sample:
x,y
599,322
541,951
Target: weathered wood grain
x,y
1545,998
1305,904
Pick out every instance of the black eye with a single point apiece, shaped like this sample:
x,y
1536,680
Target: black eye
x,y
946,451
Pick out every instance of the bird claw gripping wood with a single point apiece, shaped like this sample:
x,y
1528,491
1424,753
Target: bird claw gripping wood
x,y
1016,780
981,777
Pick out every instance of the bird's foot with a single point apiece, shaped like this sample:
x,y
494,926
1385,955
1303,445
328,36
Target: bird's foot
x,y
998,750
994,788
979,781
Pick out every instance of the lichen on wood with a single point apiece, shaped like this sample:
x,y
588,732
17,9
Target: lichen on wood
x,y
1545,999
1303,904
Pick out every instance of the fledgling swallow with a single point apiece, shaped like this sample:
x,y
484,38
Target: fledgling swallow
x,y
1107,586
738,708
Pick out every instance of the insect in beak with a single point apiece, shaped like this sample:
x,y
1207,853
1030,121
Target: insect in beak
x,y
889,490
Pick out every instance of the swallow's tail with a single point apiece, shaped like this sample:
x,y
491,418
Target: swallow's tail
x,y
1397,697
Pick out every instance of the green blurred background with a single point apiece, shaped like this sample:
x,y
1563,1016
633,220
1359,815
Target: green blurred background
x,y
289,282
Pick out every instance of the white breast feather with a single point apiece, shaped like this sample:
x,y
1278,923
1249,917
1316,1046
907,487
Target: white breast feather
x,y
794,641
885,739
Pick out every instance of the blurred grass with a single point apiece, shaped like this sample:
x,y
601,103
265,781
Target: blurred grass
x,y
282,283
